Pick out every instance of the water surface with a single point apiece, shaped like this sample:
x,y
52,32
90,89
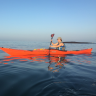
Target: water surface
x,y
74,75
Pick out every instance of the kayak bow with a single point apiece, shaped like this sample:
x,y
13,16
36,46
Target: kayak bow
x,y
44,51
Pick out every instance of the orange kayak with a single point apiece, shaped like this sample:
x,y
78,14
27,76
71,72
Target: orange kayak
x,y
44,51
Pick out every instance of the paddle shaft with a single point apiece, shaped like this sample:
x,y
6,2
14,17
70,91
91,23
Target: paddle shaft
x,y
51,41
52,35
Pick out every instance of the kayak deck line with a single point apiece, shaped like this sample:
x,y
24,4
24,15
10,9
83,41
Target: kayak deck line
x,y
44,51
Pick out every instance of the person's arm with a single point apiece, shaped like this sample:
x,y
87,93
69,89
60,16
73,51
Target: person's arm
x,y
56,45
53,43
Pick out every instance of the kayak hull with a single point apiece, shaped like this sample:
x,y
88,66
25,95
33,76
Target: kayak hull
x,y
44,51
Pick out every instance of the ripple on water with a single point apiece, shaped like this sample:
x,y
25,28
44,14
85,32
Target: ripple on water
x,y
40,76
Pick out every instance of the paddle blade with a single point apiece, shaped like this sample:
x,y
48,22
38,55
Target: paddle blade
x,y
52,35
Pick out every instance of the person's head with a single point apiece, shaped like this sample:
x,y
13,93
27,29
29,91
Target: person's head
x,y
59,39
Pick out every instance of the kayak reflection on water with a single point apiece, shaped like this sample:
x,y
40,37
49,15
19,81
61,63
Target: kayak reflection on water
x,y
55,60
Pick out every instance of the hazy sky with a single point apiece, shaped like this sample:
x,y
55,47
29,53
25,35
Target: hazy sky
x,y
73,20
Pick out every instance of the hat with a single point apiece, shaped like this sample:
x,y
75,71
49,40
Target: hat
x,y
59,38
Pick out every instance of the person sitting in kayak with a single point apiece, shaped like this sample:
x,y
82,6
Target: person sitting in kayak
x,y
59,45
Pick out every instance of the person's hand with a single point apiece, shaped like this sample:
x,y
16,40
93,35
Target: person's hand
x,y
51,40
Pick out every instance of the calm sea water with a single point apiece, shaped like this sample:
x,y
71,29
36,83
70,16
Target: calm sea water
x,y
71,75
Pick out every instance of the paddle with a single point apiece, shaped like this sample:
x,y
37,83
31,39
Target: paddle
x,y
80,42
52,35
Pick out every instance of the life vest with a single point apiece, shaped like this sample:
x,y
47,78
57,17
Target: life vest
x,y
61,47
